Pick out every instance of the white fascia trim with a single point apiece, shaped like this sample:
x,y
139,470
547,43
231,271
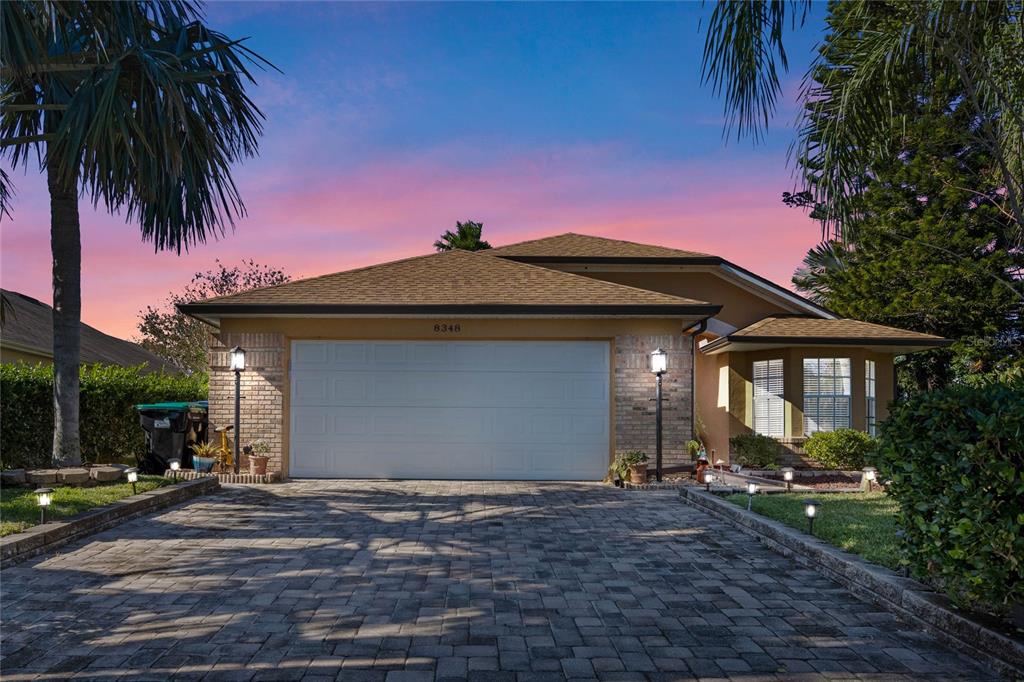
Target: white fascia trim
x,y
758,287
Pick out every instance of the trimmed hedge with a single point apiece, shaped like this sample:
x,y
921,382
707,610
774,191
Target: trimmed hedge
x,y
841,449
108,424
755,451
956,461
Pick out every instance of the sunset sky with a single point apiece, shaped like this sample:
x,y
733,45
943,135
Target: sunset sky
x,y
390,122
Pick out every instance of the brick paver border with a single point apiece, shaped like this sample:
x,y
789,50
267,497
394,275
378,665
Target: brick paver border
x,y
905,597
48,536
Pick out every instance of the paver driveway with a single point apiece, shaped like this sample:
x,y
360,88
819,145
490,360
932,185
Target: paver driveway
x,y
411,580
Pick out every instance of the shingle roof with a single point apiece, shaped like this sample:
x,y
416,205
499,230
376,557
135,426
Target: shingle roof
x,y
454,279
797,329
572,245
29,323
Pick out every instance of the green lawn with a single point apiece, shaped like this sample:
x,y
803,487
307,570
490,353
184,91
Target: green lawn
x,y
861,523
19,511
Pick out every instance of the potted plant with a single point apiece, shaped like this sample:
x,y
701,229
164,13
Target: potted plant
x,y
204,456
258,457
635,462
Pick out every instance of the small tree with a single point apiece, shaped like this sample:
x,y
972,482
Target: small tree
x,y
181,340
466,237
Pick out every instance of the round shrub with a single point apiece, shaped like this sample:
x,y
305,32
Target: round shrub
x,y
841,449
755,451
955,458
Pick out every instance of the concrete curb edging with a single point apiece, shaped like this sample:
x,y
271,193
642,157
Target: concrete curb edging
x,y
43,538
907,598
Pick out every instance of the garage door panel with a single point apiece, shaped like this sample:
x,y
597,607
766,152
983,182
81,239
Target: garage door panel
x,y
404,409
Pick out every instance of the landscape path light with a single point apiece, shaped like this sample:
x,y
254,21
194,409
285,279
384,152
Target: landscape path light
x,y
751,491
133,477
869,474
175,465
708,478
787,476
810,511
238,366
659,365
43,498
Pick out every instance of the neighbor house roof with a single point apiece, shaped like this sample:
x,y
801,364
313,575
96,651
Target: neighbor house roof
x,y
583,246
28,327
571,248
795,330
450,282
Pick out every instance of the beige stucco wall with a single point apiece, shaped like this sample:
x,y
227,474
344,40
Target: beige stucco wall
x,y
11,355
725,389
739,306
266,412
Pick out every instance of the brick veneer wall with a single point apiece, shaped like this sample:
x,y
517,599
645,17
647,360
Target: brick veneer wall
x,y
634,390
264,382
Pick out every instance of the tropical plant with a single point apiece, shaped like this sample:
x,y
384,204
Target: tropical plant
x,y
180,339
847,449
625,461
205,449
693,448
755,451
890,45
138,105
466,237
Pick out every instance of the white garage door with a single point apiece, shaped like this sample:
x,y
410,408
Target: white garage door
x,y
450,409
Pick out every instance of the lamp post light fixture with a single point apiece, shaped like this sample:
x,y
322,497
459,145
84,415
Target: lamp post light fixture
x,y
659,364
237,366
787,476
43,498
708,478
869,474
751,491
133,478
810,511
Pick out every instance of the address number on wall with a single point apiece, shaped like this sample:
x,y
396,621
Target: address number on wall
x,y
447,328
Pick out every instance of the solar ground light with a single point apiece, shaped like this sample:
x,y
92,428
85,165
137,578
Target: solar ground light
x,y
133,477
869,474
810,511
708,478
751,490
787,476
43,498
175,465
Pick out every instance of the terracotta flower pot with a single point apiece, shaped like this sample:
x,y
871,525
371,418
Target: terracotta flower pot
x,y
638,473
258,464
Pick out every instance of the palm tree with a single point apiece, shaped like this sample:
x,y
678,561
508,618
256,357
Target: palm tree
x,y
977,45
466,237
142,108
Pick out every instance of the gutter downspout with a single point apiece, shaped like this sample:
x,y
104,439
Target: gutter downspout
x,y
701,326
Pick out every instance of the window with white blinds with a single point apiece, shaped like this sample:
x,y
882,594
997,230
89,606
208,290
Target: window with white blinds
x,y
769,407
826,394
869,392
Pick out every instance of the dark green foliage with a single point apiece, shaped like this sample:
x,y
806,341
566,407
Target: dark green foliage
x,y
956,461
931,246
467,236
755,451
109,424
842,449
623,462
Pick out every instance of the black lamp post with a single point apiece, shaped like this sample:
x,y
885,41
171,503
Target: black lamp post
x,y
659,363
237,365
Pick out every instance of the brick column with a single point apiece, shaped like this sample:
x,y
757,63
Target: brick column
x,y
263,387
634,390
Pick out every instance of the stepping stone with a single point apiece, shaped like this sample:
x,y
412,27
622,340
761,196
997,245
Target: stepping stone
x,y
12,477
73,476
104,474
42,476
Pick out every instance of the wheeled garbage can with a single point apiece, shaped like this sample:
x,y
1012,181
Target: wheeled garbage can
x,y
171,429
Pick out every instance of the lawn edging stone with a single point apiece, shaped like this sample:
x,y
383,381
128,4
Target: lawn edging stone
x,y
905,597
48,536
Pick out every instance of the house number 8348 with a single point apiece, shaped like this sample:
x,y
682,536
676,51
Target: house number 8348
x,y
443,328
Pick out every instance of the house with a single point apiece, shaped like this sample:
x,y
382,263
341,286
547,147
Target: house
x,y
531,361
27,336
